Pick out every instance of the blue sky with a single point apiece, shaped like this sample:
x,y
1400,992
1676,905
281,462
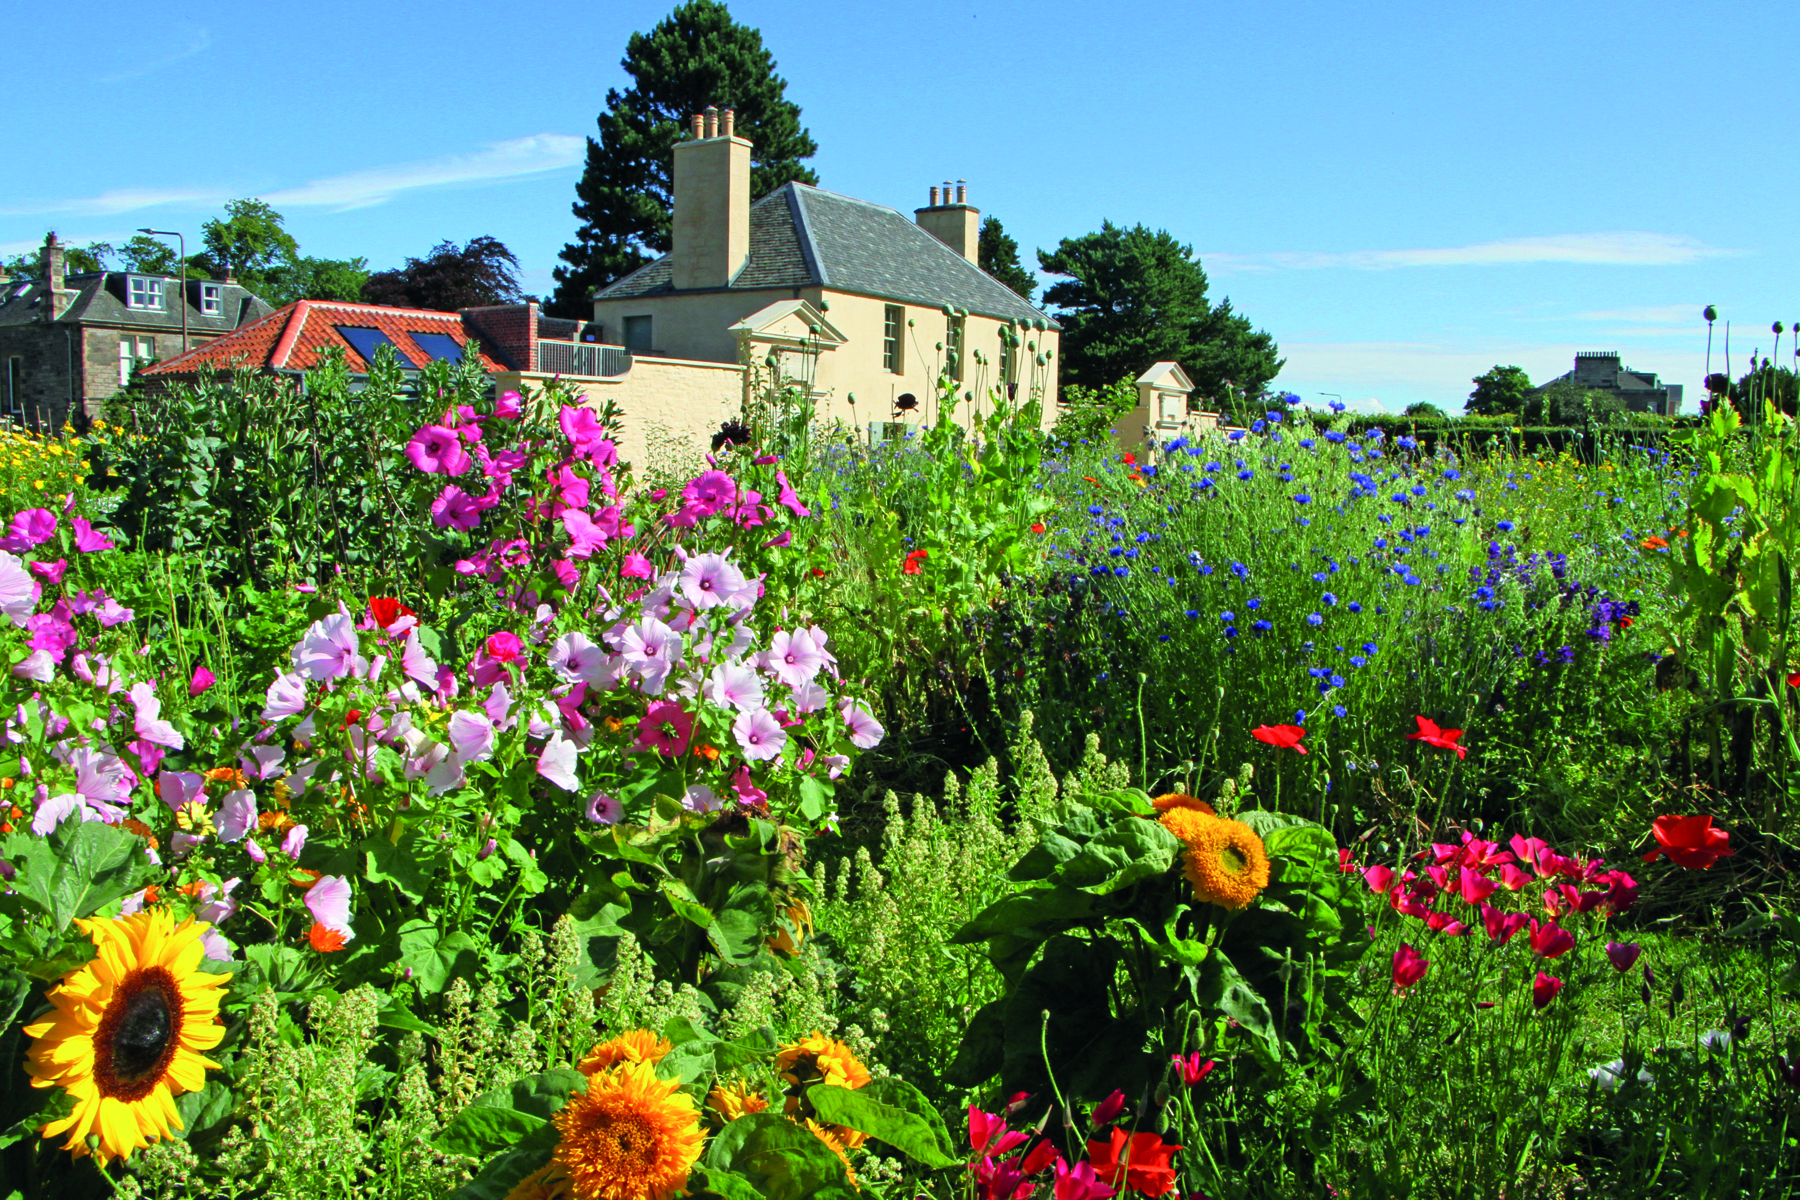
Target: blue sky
x,y
1403,194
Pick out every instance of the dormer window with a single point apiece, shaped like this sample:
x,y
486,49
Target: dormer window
x,y
144,292
212,299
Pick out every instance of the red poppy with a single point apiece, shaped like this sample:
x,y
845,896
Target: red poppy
x,y
386,610
1286,737
353,717
1142,1159
911,567
1794,679
1544,989
1432,735
1689,842
1037,527
818,573
1129,457
1625,622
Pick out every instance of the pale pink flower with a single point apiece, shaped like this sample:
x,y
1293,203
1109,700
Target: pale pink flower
x,y
257,854
650,650
574,657
759,734
865,730
149,723
708,580
39,666
286,697
330,649
700,799
416,663
263,761
57,809
328,900
294,842
19,592
471,737
793,658
557,762
602,809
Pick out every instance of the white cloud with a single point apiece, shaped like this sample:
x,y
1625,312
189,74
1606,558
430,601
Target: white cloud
x,y
1626,249
492,163
196,42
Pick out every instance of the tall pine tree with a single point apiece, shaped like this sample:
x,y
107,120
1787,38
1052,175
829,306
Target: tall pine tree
x,y
698,56
999,255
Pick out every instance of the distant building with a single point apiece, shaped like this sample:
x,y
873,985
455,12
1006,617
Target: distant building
x,y
1638,391
69,342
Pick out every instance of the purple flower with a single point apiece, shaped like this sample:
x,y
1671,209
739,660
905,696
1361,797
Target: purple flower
x,y
436,450
759,734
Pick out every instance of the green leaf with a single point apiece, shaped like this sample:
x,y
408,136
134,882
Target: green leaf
x,y
1223,989
983,1048
387,863
1019,914
892,1110
539,1095
203,1109
478,1132
781,1160
815,801
1131,849
727,1185
80,868
436,960
503,1173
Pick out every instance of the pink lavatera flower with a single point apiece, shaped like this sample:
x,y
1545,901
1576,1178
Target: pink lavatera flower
x,y
709,580
734,685
436,450
471,736
31,527
557,763
575,658
636,566
510,406
148,721
788,498
666,727
286,697
416,664
793,657
50,572
202,681
39,666
602,809
19,592
330,650
294,843
759,735
455,509
237,815
55,810
745,787
865,731
328,900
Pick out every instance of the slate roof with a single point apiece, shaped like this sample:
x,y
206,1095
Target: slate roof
x,y
291,339
804,236
100,300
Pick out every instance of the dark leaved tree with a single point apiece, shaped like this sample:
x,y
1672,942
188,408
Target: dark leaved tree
x,y
1501,390
998,253
450,278
698,56
1130,298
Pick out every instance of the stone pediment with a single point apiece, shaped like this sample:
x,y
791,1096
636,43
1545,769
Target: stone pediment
x,y
789,324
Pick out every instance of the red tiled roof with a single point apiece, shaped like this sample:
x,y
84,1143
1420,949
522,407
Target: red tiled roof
x,y
291,338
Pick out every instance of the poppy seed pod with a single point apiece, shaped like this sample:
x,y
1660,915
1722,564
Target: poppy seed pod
x,y
1710,313
1777,327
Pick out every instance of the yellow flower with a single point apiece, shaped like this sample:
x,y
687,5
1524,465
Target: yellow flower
x,y
800,917
548,1182
1223,859
126,1032
824,1134
818,1059
638,1045
630,1136
735,1099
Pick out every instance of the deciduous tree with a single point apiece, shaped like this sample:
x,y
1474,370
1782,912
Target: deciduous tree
x,y
1130,298
1501,390
450,278
696,57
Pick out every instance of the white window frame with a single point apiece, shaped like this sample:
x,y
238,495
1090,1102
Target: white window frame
x,y
143,291
893,318
212,299
133,351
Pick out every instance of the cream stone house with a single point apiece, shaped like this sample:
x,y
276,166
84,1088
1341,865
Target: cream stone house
x,y
866,306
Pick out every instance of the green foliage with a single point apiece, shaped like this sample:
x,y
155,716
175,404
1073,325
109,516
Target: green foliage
x,y
1501,390
696,57
483,272
251,239
1130,298
997,253
1086,415
1424,409
305,278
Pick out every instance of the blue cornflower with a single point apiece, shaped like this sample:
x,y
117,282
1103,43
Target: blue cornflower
x,y
1300,716
1291,399
1273,418
1357,660
1257,427
1240,570
1381,543
1115,551
1504,526
1355,607
1227,617
1333,436
1302,498
1320,577
1337,710
1411,580
1213,466
1236,435
1246,474
1253,603
1337,681
1467,495
1405,443
1095,510
1261,626
1452,474
1306,443
1231,631
1141,538
1121,571
1418,489
1314,619
1329,599
1193,614
1318,672
1370,648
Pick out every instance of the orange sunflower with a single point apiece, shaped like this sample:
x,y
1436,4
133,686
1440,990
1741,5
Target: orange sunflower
x,y
630,1136
637,1045
1223,859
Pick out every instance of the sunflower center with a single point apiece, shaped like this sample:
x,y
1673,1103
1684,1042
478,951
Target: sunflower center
x,y
1233,860
138,1034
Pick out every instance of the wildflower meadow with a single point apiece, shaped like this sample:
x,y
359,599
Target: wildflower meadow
x,y
404,797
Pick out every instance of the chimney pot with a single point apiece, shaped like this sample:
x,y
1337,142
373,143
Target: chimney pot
x,y
962,191
934,196
699,126
712,121
730,118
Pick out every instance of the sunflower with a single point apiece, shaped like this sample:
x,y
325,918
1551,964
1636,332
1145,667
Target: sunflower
x,y
638,1045
1173,800
800,917
548,1182
1185,823
630,1136
735,1099
826,1134
1224,860
818,1059
125,1033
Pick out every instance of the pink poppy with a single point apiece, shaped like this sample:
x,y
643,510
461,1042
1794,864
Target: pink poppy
x,y
1550,940
1409,968
1544,989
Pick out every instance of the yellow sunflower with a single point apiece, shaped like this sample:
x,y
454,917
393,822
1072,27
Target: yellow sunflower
x,y
637,1045
126,1031
630,1136
1185,823
818,1059
548,1182
1169,801
800,917
1224,860
827,1134
735,1099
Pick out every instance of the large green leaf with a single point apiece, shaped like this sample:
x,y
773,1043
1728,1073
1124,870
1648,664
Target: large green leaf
x,y
779,1158
892,1110
1018,914
77,870
478,1132
385,862
435,960
503,1173
1133,848
1225,991
983,1049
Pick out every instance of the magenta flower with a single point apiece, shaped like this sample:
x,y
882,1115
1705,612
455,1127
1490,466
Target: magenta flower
x,y
1501,926
788,498
1378,878
710,491
636,566
1079,1182
505,646
32,527
455,509
436,450
571,489
585,535
709,580
88,540
50,572
202,680
1472,886
1409,967
759,734
666,728
328,900
582,428
988,1134
746,789
509,406
780,541
1550,940
1192,1069
1544,989
1108,1109
1623,955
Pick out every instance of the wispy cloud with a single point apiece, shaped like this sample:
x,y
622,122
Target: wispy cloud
x,y
1625,249
492,163
195,42
495,162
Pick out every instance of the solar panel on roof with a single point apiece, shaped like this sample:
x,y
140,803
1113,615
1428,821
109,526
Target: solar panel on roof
x,y
441,346
366,341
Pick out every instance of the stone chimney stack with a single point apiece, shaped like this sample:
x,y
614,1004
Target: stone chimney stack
x,y
54,275
955,223
710,232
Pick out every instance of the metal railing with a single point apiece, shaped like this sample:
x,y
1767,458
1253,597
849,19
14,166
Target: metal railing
x,y
583,360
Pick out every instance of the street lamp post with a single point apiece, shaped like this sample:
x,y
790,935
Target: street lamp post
x,y
182,241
